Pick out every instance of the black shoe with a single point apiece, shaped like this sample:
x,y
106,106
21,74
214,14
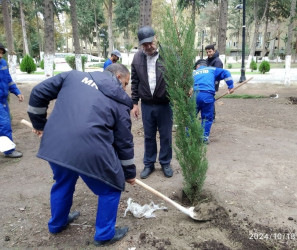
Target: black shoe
x,y
72,216
146,172
119,234
167,170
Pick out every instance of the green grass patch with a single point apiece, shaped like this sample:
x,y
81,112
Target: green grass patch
x,y
42,72
97,65
246,73
272,65
244,96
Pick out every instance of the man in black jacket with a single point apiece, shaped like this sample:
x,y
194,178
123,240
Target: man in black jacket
x,y
148,84
87,135
213,60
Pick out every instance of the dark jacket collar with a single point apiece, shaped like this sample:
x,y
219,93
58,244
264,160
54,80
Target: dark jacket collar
x,y
110,86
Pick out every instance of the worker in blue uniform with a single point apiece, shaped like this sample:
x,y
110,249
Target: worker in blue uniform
x,y
114,57
87,135
204,90
7,85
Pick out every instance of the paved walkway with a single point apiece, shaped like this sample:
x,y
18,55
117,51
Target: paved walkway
x,y
275,76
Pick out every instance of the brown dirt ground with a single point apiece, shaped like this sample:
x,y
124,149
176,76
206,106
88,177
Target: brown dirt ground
x,y
250,190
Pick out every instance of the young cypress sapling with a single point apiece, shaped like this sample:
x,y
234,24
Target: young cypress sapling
x,y
178,55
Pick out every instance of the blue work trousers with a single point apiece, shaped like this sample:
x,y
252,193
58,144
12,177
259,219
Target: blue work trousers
x,y
205,104
5,123
157,117
62,196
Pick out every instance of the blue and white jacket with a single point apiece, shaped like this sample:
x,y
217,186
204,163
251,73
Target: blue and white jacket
x,y
205,77
89,129
6,83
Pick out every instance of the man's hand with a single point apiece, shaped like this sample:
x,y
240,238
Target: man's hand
x,y
230,91
135,111
21,98
38,132
191,92
131,181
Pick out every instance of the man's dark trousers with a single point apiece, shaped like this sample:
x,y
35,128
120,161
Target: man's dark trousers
x,y
62,196
157,117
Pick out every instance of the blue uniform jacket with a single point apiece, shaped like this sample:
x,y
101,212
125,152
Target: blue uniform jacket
x,y
6,83
205,77
89,129
107,63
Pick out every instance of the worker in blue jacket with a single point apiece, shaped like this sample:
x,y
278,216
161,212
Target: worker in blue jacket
x,y
7,85
204,89
87,135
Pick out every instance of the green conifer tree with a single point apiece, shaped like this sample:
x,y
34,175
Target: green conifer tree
x,y
178,53
27,64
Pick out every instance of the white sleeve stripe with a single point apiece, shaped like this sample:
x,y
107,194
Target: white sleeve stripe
x,y
127,162
36,111
228,79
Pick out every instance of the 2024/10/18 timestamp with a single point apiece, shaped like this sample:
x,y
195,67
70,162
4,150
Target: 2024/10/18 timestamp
x,y
272,236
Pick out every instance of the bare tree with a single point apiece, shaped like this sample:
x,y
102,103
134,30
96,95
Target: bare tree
x,y
23,22
290,28
78,62
108,6
223,27
49,40
12,58
145,17
289,43
258,22
38,29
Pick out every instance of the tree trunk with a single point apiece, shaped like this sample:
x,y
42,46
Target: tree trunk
x,y
38,31
49,41
145,17
97,33
23,22
9,40
289,43
108,6
256,31
265,38
290,28
223,27
78,62
258,23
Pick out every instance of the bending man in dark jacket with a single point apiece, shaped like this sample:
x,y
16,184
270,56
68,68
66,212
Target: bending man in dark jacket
x,y
148,84
213,60
87,135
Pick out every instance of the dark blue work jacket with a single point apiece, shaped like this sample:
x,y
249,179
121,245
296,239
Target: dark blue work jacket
x,y
89,129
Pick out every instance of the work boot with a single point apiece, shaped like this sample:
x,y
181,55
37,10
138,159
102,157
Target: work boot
x,y
14,154
167,170
146,172
119,234
72,216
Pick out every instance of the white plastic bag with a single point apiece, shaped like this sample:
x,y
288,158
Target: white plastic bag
x,y
6,144
146,211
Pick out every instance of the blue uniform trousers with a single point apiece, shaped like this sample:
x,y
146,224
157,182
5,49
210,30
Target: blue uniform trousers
x,y
62,196
205,104
157,117
5,123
